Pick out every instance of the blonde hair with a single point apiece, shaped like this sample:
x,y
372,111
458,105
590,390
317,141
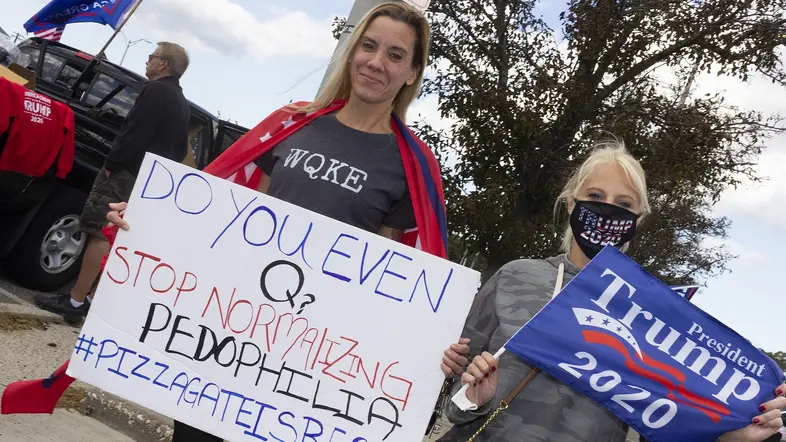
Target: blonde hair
x,y
606,152
176,56
339,85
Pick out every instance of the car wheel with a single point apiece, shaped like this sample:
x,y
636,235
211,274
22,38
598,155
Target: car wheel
x,y
49,254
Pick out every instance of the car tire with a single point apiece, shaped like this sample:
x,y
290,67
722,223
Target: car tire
x,y
49,254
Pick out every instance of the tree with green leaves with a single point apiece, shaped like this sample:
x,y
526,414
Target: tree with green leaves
x,y
528,106
779,357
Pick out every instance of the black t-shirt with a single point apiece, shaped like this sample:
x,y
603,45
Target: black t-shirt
x,y
352,176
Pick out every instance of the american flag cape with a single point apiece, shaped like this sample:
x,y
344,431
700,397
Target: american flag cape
x,y
420,167
237,165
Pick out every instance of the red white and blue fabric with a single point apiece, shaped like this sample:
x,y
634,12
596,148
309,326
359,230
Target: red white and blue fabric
x,y
61,12
51,34
686,291
420,166
237,165
659,363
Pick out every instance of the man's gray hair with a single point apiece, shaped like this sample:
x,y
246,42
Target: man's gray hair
x,y
176,56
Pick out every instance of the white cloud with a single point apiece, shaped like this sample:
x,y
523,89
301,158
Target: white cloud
x,y
427,109
758,94
229,29
762,201
748,257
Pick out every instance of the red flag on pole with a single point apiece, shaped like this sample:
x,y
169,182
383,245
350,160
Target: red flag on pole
x,y
37,396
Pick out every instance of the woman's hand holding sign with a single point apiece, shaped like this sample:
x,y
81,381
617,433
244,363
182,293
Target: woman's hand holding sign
x,y
455,358
115,216
765,424
481,377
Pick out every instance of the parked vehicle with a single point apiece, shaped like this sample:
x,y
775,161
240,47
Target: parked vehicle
x,y
43,249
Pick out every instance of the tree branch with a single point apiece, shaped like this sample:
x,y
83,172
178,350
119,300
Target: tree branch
x,y
462,24
481,9
642,66
614,50
502,46
709,265
454,59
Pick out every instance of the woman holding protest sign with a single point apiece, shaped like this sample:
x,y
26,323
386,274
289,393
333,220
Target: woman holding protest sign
x,y
349,155
609,188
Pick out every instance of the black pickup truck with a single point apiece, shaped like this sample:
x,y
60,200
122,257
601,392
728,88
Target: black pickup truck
x,y
43,248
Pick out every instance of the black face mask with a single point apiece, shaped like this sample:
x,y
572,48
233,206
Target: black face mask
x,y
595,224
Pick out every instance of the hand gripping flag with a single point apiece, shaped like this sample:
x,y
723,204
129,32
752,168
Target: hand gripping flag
x,y
62,12
629,342
237,165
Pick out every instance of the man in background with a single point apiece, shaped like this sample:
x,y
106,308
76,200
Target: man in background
x,y
157,123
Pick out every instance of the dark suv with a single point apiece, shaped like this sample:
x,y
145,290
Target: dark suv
x,y
43,251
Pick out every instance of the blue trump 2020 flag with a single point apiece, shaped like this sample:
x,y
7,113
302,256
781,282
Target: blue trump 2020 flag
x,y
658,362
61,12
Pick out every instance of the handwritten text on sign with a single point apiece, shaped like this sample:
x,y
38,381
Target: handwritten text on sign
x,y
254,319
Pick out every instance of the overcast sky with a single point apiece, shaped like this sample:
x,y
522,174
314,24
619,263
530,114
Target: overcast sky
x,y
250,57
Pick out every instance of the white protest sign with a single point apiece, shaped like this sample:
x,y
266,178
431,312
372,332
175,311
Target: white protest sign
x,y
254,319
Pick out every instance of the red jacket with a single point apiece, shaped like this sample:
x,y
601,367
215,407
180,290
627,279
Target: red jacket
x,y
40,132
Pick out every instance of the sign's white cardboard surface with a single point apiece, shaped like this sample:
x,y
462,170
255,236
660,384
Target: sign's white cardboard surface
x,y
254,319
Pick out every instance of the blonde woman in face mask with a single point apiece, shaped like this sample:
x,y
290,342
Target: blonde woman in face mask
x,y
610,184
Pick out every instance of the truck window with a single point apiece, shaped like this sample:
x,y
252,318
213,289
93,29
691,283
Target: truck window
x,y
121,103
230,136
196,130
52,67
69,74
33,52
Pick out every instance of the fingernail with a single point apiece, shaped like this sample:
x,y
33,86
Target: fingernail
x,y
487,375
762,408
755,420
494,368
475,384
779,391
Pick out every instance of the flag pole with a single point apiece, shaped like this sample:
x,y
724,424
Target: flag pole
x,y
462,393
97,58
119,28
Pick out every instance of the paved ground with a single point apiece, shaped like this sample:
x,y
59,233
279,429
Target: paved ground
x,y
62,426
12,293
34,343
